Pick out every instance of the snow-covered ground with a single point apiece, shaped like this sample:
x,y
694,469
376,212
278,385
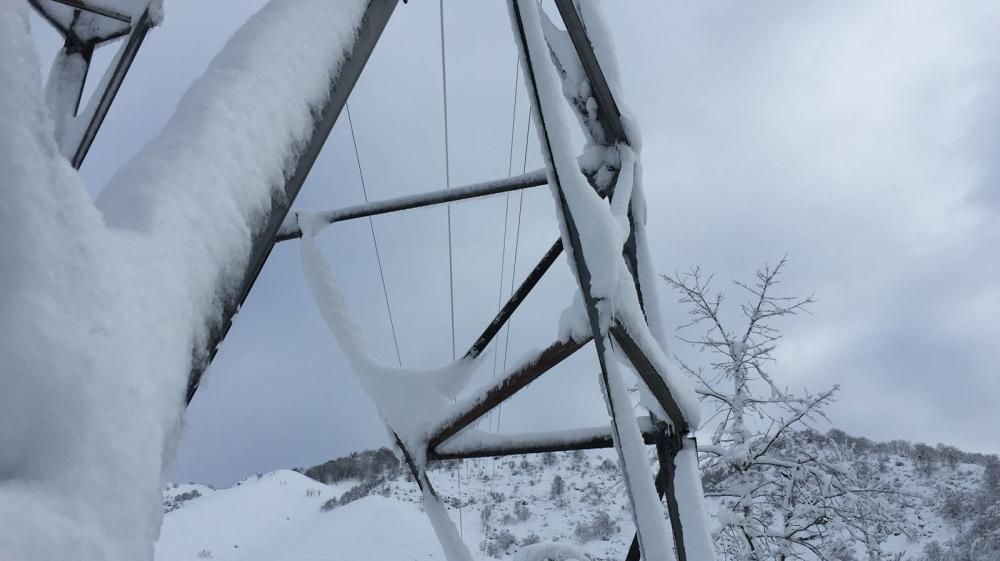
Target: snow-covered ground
x,y
280,515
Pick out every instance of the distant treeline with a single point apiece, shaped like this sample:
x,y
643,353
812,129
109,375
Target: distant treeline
x,y
919,452
371,465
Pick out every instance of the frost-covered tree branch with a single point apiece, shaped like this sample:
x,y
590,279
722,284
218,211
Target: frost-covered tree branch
x,y
784,491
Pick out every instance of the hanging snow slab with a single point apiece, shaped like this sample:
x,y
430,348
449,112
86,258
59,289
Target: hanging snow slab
x,y
411,401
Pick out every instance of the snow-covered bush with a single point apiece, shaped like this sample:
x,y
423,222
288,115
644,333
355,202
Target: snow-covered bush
x,y
521,511
558,487
531,539
600,527
178,500
500,544
366,465
977,520
925,459
485,515
991,478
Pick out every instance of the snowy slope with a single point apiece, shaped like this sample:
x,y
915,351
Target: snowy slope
x,y
280,515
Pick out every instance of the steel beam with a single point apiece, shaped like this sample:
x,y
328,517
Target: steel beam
x,y
112,84
290,228
667,447
609,116
505,388
608,113
515,299
537,443
66,81
106,12
668,444
650,376
572,233
372,24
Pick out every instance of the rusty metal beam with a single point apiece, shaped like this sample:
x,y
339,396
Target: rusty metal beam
x,y
515,299
106,12
537,443
478,406
650,376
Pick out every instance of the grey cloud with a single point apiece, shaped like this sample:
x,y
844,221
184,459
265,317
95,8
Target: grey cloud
x,y
860,138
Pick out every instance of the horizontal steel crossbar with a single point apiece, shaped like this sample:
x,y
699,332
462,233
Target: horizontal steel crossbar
x,y
535,443
290,229
99,10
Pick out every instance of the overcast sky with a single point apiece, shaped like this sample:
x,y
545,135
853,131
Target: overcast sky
x,y
860,138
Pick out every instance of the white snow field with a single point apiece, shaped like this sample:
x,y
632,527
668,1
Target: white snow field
x,y
273,518
278,516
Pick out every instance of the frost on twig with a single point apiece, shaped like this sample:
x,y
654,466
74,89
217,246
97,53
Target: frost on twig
x,y
783,490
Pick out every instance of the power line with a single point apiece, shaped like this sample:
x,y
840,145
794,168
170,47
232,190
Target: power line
x,y
451,270
506,214
517,243
503,253
371,227
447,180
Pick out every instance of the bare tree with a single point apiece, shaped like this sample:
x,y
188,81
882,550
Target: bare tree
x,y
784,492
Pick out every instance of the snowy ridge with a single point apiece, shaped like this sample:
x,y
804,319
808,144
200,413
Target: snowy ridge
x,y
282,515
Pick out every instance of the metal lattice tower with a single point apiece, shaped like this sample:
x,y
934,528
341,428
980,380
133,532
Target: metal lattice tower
x,y
86,27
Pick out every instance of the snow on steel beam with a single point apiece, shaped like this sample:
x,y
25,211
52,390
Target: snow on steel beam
x,y
650,376
608,114
97,109
639,482
472,408
444,527
668,444
64,88
478,444
608,118
372,24
517,297
290,227
99,10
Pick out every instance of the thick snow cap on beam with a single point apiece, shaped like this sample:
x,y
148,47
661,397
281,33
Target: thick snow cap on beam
x,y
100,312
603,230
602,233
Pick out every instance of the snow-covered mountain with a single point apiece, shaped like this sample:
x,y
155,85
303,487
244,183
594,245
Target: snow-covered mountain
x,y
368,508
